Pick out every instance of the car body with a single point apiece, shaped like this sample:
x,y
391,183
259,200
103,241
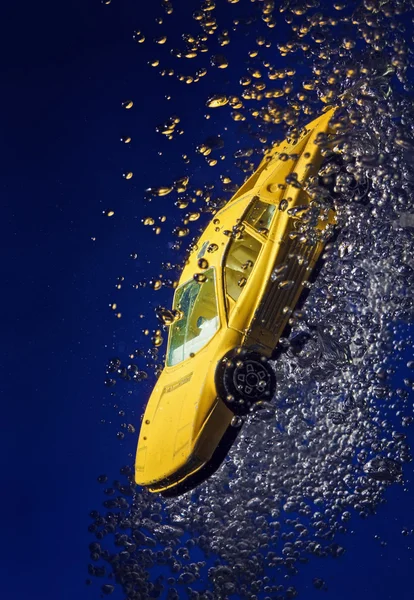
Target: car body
x,y
233,301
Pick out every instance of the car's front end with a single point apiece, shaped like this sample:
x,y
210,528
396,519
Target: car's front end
x,y
184,420
202,458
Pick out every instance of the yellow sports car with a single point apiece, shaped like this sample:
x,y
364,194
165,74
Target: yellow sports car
x,y
234,299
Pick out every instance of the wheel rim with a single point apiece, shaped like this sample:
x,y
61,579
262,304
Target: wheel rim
x,y
251,379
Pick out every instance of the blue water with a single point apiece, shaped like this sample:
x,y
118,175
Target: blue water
x,y
67,69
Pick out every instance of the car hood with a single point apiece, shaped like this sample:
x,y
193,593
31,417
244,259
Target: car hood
x,y
175,413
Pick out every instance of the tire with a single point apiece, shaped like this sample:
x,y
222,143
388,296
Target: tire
x,y
244,377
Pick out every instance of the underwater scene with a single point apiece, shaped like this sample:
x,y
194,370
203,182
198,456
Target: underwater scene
x,y
236,338
322,452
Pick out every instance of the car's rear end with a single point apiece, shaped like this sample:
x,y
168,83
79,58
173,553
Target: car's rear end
x,y
289,254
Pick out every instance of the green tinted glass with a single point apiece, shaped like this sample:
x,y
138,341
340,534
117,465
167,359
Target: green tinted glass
x,y
198,304
260,215
240,260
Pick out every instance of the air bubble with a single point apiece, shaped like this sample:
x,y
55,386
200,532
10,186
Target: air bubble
x,y
199,277
217,101
202,263
219,61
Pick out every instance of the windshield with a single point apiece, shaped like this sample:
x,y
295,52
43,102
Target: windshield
x,y
198,304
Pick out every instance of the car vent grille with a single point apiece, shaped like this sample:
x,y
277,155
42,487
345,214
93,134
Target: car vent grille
x,y
270,314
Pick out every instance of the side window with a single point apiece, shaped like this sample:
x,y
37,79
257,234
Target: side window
x,y
240,260
260,216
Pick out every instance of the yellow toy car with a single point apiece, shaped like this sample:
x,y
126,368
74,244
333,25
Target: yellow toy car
x,y
234,299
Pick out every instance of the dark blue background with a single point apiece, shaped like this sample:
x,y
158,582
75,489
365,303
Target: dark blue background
x,y
66,69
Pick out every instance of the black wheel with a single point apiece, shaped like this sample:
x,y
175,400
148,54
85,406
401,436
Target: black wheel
x,y
244,377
